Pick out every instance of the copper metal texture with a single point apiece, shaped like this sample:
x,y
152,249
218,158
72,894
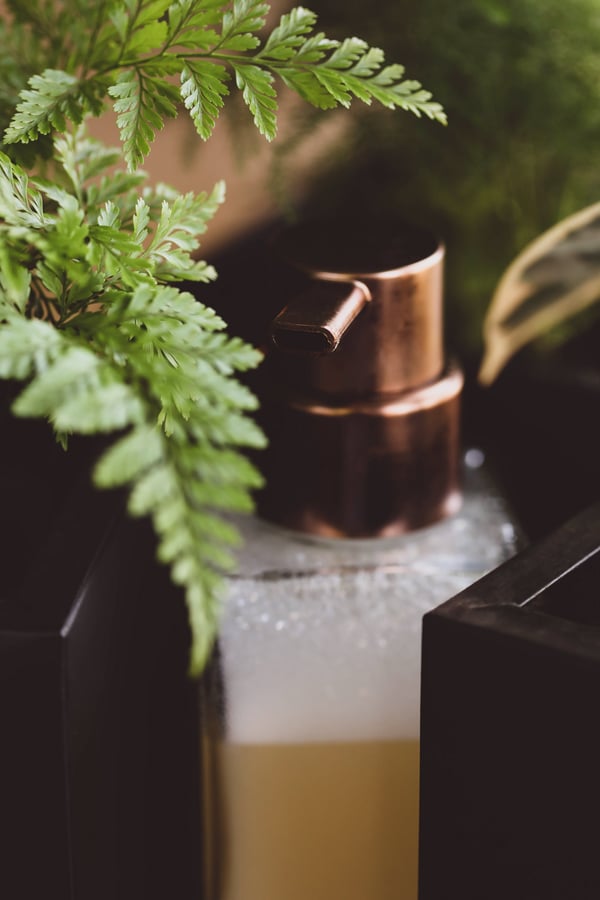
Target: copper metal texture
x,y
397,342
316,321
363,439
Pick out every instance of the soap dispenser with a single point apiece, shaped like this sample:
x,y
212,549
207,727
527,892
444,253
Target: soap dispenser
x,y
370,518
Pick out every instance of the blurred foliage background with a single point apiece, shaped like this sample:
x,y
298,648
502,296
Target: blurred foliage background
x,y
520,81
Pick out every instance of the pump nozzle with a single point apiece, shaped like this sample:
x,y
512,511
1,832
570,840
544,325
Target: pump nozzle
x,y
363,441
315,321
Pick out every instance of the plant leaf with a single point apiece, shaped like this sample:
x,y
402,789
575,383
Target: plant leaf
x,y
141,102
20,204
553,278
107,408
176,235
191,21
203,87
51,99
26,345
288,36
244,17
130,457
259,96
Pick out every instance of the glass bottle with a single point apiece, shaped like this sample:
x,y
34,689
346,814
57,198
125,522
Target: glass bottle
x,y
311,703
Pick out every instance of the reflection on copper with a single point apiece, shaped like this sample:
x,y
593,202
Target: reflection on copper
x,y
315,321
363,441
432,395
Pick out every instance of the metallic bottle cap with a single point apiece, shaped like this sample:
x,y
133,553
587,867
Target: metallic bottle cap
x,y
364,418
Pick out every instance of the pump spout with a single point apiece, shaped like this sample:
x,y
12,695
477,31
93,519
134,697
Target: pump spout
x,y
315,321
363,441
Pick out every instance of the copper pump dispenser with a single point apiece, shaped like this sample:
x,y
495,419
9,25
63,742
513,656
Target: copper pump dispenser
x,y
363,424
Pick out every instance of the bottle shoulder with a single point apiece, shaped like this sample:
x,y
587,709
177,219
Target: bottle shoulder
x,y
477,538
320,639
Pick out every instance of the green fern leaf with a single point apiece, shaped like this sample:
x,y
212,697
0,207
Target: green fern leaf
x,y
141,102
209,531
245,17
120,186
307,85
190,23
259,96
348,51
50,278
145,39
107,408
110,371
129,458
151,11
27,345
186,217
156,487
20,204
203,87
15,277
83,158
354,70
52,98
116,253
314,49
288,36
176,235
109,216
75,366
141,220
388,89
336,85
120,20
202,599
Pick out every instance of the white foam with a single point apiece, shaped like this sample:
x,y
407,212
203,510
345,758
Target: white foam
x,y
320,639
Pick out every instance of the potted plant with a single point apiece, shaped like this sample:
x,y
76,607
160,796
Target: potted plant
x,y
91,317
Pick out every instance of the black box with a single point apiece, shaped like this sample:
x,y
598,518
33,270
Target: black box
x,y
99,794
510,752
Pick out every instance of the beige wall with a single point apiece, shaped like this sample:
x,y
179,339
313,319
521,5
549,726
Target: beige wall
x,y
180,158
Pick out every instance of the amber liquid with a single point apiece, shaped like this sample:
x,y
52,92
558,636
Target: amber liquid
x,y
315,821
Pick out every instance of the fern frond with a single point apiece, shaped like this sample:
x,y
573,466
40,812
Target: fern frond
x,y
353,70
20,203
15,278
191,23
130,457
141,102
288,36
110,372
51,99
109,407
179,475
239,23
176,235
75,369
259,96
83,157
116,253
120,187
27,345
203,87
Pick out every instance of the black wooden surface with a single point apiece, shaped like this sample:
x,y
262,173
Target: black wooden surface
x,y
510,752
99,794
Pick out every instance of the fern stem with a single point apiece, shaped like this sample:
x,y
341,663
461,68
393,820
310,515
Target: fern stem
x,y
99,21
